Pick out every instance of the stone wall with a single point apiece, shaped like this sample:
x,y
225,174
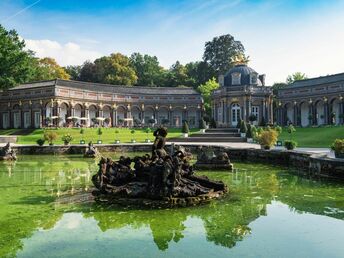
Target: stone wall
x,y
312,164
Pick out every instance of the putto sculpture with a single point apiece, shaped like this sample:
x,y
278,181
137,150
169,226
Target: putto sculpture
x,y
156,179
207,159
6,153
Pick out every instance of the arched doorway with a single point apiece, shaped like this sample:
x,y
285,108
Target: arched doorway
x,y
304,114
319,112
121,115
177,117
136,115
163,115
335,111
107,116
92,114
63,114
235,114
290,113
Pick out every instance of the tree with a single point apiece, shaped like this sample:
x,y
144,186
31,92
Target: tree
x,y
115,69
198,72
73,71
88,72
177,76
276,86
147,69
206,90
296,77
219,52
47,69
15,62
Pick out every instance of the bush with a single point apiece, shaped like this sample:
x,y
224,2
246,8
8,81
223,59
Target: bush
x,y
290,145
267,138
252,118
239,124
278,129
99,132
165,121
117,132
50,137
120,121
249,133
243,127
202,124
40,142
291,130
338,146
185,128
262,122
148,131
67,138
212,123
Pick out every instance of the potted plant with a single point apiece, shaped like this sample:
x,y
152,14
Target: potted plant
x,y
50,137
243,129
267,138
185,129
117,138
290,144
40,142
262,122
238,126
67,138
202,125
148,131
120,121
133,137
165,122
338,148
212,123
99,132
82,132
249,133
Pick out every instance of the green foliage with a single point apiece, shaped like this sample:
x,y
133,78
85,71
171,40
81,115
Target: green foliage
x,y
132,131
267,138
239,123
243,127
165,121
298,76
212,123
50,136
202,124
73,71
291,129
40,142
67,138
99,131
206,90
120,121
277,86
185,128
148,131
338,146
48,69
278,129
219,52
262,122
15,61
290,144
252,118
249,133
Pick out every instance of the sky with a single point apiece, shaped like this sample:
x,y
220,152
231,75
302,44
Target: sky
x,y
280,36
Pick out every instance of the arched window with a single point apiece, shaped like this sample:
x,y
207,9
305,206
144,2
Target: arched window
x,y
236,78
235,114
253,78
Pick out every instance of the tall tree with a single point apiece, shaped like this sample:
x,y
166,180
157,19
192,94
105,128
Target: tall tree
x,y
177,76
219,52
147,69
296,77
206,90
198,72
73,71
88,72
48,69
276,86
15,62
115,69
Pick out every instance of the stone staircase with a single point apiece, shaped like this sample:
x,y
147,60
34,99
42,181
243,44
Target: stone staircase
x,y
213,135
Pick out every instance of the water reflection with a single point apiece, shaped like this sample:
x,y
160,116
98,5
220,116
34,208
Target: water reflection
x,y
49,189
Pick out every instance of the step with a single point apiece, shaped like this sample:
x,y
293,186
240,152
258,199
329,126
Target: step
x,y
223,130
208,139
211,134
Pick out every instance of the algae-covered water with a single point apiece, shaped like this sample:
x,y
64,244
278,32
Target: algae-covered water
x,y
269,212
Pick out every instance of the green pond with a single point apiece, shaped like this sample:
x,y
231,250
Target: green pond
x,y
269,212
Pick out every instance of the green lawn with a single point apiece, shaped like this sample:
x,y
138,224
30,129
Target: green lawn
x,y
90,134
315,136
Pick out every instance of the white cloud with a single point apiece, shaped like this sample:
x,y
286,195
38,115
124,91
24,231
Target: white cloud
x,y
65,54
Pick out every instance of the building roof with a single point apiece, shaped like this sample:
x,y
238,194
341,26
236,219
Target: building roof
x,y
317,80
245,72
109,87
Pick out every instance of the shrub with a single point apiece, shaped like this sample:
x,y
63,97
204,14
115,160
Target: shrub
x,y
120,121
212,123
278,129
82,132
239,124
249,133
99,132
185,128
67,138
262,122
202,124
267,138
338,146
165,121
132,131
40,142
290,145
117,132
50,137
148,131
252,118
243,127
290,131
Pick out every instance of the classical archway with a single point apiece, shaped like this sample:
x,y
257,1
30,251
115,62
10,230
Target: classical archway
x,y
163,115
149,114
319,112
92,114
304,114
177,117
235,114
121,114
335,111
107,115
290,113
136,115
63,114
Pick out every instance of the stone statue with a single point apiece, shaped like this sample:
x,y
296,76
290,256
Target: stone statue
x,y
91,151
161,178
207,159
6,153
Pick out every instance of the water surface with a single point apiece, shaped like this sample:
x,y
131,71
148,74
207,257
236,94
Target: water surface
x,y
269,212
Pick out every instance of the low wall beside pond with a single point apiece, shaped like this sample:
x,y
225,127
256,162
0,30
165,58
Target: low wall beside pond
x,y
314,164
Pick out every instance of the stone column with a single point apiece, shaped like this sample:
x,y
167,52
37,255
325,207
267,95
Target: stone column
x,y
326,113
341,108
115,122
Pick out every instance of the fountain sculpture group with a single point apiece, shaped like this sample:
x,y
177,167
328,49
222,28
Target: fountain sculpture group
x,y
157,179
7,153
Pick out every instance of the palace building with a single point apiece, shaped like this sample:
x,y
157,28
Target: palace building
x,y
59,102
316,101
242,93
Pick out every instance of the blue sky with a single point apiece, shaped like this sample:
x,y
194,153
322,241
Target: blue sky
x,y
280,36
